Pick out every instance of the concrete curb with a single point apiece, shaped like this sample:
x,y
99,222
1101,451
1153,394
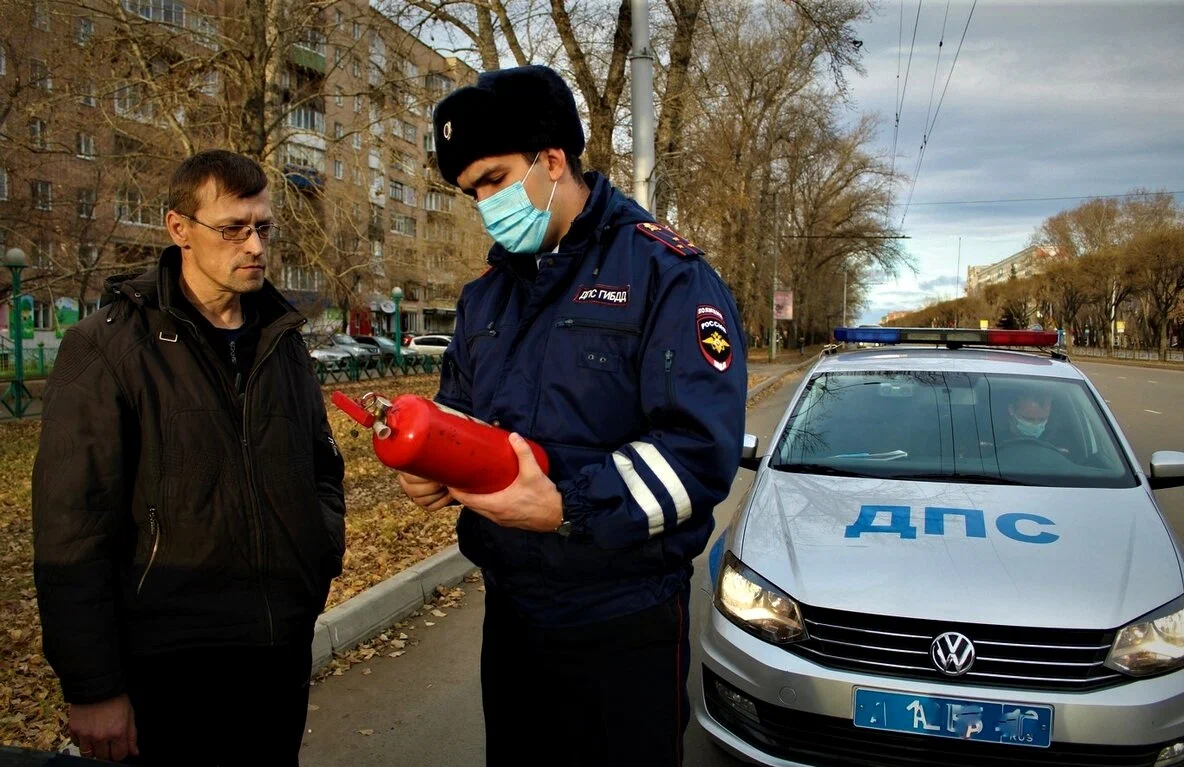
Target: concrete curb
x,y
773,379
368,614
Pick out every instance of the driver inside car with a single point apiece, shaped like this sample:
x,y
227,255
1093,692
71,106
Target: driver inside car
x,y
1028,418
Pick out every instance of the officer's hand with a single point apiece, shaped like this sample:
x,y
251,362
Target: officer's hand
x,y
531,503
424,492
105,730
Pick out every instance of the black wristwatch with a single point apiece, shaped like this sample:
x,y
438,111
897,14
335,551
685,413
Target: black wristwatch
x,y
564,528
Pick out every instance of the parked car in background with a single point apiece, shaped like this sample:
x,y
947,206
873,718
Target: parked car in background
x,y
367,356
332,357
385,347
432,345
408,335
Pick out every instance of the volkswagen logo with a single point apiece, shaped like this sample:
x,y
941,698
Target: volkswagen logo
x,y
952,653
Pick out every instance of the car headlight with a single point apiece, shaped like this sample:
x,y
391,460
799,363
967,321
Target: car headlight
x,y
757,606
1151,645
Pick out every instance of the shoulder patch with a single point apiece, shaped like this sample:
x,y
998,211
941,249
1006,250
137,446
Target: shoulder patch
x,y
670,238
713,337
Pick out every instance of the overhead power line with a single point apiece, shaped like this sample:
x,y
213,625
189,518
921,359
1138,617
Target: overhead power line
x,y
900,103
929,128
1042,199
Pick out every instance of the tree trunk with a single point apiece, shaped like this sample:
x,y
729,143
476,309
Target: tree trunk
x,y
674,105
1163,337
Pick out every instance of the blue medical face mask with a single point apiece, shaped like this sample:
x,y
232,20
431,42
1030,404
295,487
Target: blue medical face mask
x,y
513,221
1033,429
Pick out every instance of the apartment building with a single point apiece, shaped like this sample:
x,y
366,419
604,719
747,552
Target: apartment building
x,y
1025,263
99,105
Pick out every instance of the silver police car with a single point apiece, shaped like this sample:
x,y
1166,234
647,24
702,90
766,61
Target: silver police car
x,y
949,556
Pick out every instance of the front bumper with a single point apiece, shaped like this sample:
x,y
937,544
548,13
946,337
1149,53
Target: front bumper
x,y
804,713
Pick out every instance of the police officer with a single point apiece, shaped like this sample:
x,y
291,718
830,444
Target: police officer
x,y
605,337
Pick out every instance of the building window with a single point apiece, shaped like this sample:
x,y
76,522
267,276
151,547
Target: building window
x,y
209,84
339,97
86,203
356,66
357,31
207,31
39,74
410,133
86,94
338,18
3,183
358,104
131,208
300,156
396,191
429,142
41,15
357,140
404,225
42,195
338,170
42,315
84,29
84,146
357,176
163,11
306,118
438,201
409,196
338,131
130,102
38,133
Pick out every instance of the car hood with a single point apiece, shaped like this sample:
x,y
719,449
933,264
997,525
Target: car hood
x,y
1092,558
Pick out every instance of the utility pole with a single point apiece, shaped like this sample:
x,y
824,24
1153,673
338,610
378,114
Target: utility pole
x,y
958,281
773,302
843,321
641,62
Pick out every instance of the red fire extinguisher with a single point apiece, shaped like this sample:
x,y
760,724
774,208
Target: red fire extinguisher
x,y
420,437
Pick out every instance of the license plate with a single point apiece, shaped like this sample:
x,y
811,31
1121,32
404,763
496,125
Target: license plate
x,y
1017,724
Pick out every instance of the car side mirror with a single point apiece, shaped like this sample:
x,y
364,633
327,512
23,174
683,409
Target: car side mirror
x,y
748,453
1167,469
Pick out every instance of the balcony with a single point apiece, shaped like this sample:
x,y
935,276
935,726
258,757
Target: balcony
x,y
310,56
306,119
303,177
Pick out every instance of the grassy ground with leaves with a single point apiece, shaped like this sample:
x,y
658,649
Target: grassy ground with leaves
x,y
385,534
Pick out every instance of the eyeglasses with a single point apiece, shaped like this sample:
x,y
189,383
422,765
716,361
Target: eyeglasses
x,y
241,232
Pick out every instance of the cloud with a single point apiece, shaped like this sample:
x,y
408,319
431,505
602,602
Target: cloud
x,y
939,282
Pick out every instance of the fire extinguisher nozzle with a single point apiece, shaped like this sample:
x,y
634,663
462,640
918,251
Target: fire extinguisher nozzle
x,y
352,409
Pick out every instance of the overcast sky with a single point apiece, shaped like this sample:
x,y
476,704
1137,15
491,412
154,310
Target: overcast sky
x,y
1050,98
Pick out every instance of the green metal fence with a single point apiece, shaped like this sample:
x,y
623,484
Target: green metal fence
x,y
38,361
352,370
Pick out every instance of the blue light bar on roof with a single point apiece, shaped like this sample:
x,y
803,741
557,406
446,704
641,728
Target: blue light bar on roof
x,y
947,336
868,335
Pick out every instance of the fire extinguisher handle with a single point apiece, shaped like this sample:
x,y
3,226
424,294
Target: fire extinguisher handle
x,y
353,409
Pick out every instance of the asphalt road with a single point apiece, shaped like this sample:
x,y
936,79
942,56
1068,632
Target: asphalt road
x,y
424,708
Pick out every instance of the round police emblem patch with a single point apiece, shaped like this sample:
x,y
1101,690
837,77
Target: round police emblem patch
x,y
713,337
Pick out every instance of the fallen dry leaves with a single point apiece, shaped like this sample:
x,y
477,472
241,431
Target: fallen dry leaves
x,y
385,534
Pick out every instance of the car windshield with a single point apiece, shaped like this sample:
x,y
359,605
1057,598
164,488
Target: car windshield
x,y
952,427
341,338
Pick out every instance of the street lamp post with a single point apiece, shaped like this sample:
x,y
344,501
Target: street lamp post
x,y
16,397
397,297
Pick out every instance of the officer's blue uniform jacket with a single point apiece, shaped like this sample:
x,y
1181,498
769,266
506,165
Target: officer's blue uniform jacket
x,y
623,359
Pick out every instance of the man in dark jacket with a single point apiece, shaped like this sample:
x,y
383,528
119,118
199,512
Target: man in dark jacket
x,y
607,338
187,496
